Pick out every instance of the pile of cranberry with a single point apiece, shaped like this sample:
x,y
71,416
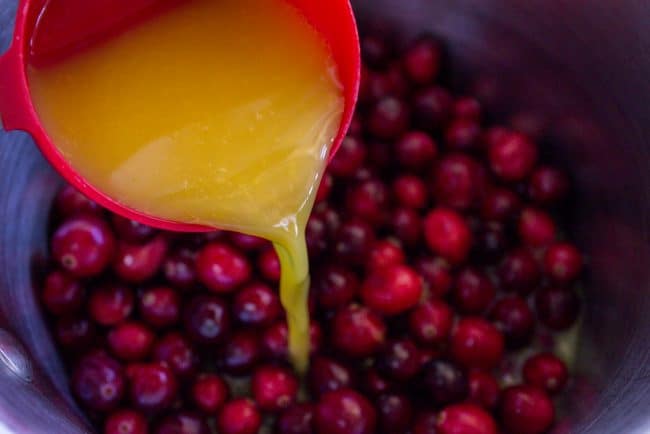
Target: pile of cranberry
x,y
436,263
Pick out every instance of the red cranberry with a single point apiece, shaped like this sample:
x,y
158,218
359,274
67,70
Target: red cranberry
x,y
392,290
75,333
160,306
175,351
207,320
275,340
374,384
296,419
222,268
246,242
326,375
416,150
436,274
366,172
375,51
475,343
473,292
432,108
394,413
130,341
557,308
494,135
430,322
547,372
548,185
335,286
463,134
357,331
490,242
399,359
563,262
62,294
455,181
407,226
209,393
274,388
126,422
344,411
110,304
536,227
368,201
512,157
353,241
388,118
324,188
240,353
182,423
136,263
410,191
70,202
153,386
239,416
132,231
519,272
467,107
500,204
425,423
348,158
256,305
513,317
383,254
98,381
180,271
526,410
422,60
483,389
83,245
269,265
465,419
316,235
448,234
443,382
380,157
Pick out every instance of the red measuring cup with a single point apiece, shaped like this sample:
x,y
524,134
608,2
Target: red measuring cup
x,y
70,25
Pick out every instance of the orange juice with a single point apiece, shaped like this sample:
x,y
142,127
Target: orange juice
x,y
215,112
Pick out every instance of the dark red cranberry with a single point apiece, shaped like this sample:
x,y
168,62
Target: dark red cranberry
x,y
182,423
126,422
410,191
348,158
395,413
536,227
416,150
436,274
465,419
495,134
274,388
512,157
519,272
209,393
110,304
160,306
83,245
473,291
475,343
70,202
222,268
526,410
136,263
324,188
407,226
62,294
392,290
180,271
422,60
316,235
455,181
240,353
365,173
500,204
444,382
356,126
353,241
512,316
467,107
430,322
275,340
432,108
131,231
490,242
557,308
269,265
463,134
256,305
388,118
335,286
75,332
130,341
548,186
380,157
239,416
375,50
326,375
368,201
153,386
562,262
98,382
357,331
425,423
448,234
483,389
344,411
296,419
246,242
174,350
373,383
383,254
207,320
399,359
547,372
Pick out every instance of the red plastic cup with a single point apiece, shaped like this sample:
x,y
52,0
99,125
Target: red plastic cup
x,y
71,24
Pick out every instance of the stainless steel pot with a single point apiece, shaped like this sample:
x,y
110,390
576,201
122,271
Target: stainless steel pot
x,y
574,73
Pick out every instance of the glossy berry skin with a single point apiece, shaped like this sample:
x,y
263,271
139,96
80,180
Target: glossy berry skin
x,y
547,372
526,410
475,343
500,204
357,331
110,304
368,201
483,389
392,290
399,359
209,393
388,118
443,382
348,158
152,387
430,323
463,134
70,202
410,191
256,305
436,273
275,340
473,291
512,157
467,107
274,388
179,270
317,235
222,268
239,416
394,413
456,182
62,294
373,383
240,353
548,185
75,332
98,382
352,242
324,188
465,419
557,308
335,286
206,319
422,60
519,272
126,422
182,422
416,150
247,243
384,254
432,108
448,235
130,341
406,224
425,423
83,245
160,306
131,231
562,262
536,227
344,411
268,264
514,318
175,351
136,263
326,374
296,419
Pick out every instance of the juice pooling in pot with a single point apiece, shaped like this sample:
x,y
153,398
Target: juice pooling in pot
x,y
219,113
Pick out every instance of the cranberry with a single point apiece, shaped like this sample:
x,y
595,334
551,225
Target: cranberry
x,y
174,350
448,234
475,343
466,419
335,286
182,423
275,340
70,202
422,60
348,158
407,226
432,108
274,388
388,118
384,253
222,268
467,107
562,262
246,242
557,308
353,241
536,227
269,265
399,359
473,291
375,51
463,134
526,410
160,306
62,294
130,341
512,157
240,353
436,274
136,263
326,375
98,381
296,419
392,290
153,386
316,235
180,271
368,201
83,245
425,423
209,393
110,304
500,204
519,272
324,188
126,422
394,413
239,416
75,333
374,384
410,191
416,150
430,322
455,181
514,319
444,382
547,372
132,231
207,320
494,135
256,305
344,411
483,389
357,331
548,185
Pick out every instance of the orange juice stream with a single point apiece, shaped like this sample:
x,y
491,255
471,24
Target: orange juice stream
x,y
216,112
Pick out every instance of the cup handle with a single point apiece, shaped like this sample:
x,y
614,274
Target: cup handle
x,y
13,90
